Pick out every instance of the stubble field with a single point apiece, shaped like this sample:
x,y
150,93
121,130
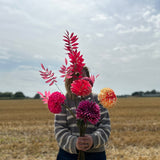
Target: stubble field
x,y
27,130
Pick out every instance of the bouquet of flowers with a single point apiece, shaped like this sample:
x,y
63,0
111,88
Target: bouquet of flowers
x,y
87,111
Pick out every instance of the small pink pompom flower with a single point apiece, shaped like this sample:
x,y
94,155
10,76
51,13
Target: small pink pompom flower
x,y
89,80
56,99
88,111
81,87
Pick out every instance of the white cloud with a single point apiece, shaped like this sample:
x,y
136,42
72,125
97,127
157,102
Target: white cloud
x,y
100,17
155,20
99,34
120,27
4,55
135,29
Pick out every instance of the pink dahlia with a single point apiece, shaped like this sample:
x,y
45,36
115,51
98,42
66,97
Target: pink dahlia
x,y
56,99
81,87
88,111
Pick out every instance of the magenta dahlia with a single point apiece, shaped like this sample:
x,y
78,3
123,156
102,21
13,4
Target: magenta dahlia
x,y
88,111
81,87
55,101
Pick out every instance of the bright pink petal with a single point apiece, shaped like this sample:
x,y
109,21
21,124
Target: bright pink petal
x,y
66,61
42,66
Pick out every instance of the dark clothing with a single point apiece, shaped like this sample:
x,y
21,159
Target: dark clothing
x,y
63,155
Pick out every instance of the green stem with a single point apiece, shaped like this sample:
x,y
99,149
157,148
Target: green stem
x,y
58,88
82,128
69,110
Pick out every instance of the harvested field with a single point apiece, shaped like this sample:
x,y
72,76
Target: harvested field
x,y
27,130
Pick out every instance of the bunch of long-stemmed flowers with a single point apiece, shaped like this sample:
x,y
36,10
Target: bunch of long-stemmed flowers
x,y
87,111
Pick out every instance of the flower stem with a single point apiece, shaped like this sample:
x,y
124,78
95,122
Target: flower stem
x,y
69,110
82,128
58,88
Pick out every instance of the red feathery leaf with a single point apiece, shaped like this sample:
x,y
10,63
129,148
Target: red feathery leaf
x,y
48,80
40,94
75,44
67,32
51,83
65,37
73,38
65,40
42,66
75,48
47,75
62,76
66,61
97,75
71,35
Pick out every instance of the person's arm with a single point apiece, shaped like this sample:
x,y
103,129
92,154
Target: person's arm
x,y
65,140
101,135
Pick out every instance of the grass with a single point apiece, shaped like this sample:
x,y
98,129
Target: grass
x,y
27,130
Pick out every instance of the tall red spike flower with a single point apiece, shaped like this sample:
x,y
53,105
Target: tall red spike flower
x,y
76,59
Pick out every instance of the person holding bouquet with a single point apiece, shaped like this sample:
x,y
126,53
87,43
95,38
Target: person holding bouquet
x,y
67,132
82,124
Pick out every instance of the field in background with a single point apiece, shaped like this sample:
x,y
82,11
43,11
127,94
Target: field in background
x,y
27,133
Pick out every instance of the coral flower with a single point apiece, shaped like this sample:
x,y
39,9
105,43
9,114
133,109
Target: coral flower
x,y
56,99
88,111
107,97
81,87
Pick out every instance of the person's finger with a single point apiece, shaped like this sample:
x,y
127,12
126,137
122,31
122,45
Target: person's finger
x,y
83,141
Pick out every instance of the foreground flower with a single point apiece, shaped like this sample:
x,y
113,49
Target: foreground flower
x,y
56,99
107,97
88,111
81,87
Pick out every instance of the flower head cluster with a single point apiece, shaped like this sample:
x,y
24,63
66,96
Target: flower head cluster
x,y
88,111
56,99
107,97
81,87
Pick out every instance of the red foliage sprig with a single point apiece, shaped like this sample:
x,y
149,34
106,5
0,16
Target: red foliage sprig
x,y
70,42
48,75
76,59
65,71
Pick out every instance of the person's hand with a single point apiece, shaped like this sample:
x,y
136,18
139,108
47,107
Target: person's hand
x,y
84,143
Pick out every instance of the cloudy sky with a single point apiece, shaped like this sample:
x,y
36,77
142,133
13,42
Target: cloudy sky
x,y
119,39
